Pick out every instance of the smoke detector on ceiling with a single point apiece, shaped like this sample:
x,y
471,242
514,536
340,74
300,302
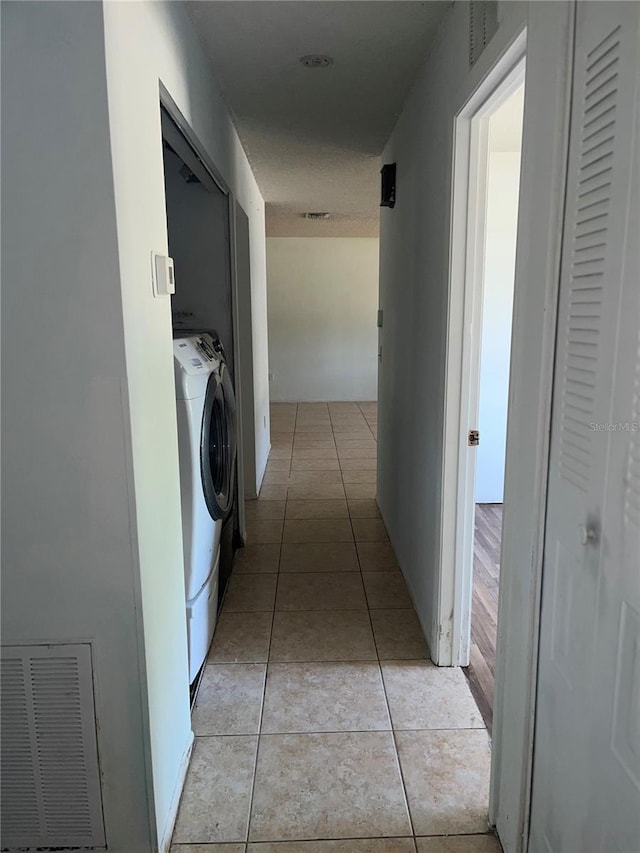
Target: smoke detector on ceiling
x,y
316,60
313,215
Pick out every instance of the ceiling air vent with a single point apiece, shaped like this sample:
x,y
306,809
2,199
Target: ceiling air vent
x,y
316,215
316,60
483,23
49,779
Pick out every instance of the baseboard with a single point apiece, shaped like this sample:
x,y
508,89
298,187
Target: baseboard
x,y
167,835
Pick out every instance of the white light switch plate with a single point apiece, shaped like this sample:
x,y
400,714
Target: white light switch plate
x,y
162,274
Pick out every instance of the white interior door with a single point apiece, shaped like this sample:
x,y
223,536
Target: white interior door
x,y
586,779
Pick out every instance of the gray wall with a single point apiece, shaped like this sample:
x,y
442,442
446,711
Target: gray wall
x,y
323,301
244,377
413,290
149,45
69,568
414,274
197,221
414,248
92,544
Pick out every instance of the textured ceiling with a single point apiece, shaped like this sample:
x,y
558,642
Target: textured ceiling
x,y
314,136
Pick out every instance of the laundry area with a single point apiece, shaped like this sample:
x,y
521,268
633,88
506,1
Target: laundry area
x,y
199,236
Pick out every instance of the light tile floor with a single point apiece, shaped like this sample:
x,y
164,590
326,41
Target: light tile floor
x,y
321,725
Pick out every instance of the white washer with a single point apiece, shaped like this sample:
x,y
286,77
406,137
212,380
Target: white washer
x,y
201,447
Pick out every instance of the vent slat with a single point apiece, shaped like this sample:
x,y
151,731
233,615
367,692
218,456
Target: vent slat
x,y
602,45
581,376
577,450
483,23
49,774
598,146
576,467
588,259
608,85
601,175
605,101
590,191
578,438
599,62
607,113
597,136
592,219
604,69
598,207
586,288
576,427
584,384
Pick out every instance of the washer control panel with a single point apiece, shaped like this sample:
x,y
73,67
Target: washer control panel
x,y
196,354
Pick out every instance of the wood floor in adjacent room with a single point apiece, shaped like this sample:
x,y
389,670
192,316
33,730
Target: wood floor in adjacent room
x,y
484,609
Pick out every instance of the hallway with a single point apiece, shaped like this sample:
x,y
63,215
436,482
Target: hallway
x,y
320,715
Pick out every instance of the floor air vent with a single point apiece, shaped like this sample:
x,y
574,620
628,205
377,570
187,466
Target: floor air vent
x,y
483,23
49,776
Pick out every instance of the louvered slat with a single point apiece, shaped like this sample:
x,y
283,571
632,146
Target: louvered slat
x,y
18,801
58,725
50,786
592,198
483,22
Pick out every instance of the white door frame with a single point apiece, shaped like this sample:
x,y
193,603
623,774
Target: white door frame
x,y
466,285
240,392
549,52
245,346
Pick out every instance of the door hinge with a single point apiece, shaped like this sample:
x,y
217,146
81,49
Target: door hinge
x,y
474,438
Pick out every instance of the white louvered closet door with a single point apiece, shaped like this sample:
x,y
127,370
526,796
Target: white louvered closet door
x,y
586,782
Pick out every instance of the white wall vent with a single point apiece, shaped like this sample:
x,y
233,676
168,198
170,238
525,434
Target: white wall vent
x,y
483,23
49,777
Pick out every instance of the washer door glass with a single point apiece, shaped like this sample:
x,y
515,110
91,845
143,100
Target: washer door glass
x,y
215,450
231,421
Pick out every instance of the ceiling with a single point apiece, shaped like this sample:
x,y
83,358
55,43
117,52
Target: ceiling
x,y
314,136
505,125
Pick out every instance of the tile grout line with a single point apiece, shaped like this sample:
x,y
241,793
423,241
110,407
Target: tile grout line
x,y
322,609
367,422
266,668
388,706
353,533
395,745
333,435
273,618
378,660
338,731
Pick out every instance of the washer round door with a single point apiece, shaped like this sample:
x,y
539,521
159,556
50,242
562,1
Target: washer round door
x,y
232,427
217,448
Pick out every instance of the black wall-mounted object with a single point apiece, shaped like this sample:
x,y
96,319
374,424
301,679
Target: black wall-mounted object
x,y
388,173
